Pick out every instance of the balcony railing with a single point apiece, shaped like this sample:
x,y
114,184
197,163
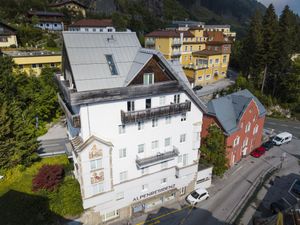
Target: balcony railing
x,y
149,42
176,43
147,114
176,53
156,159
73,118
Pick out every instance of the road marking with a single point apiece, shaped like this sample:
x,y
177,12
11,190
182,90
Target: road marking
x,y
153,220
237,170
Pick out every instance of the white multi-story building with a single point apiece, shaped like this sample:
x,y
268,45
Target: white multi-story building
x,y
92,25
133,121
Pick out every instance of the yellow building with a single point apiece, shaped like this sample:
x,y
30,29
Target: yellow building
x,y
32,62
204,55
8,36
75,7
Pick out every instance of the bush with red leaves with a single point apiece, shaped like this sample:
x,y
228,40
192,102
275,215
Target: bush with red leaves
x,y
48,178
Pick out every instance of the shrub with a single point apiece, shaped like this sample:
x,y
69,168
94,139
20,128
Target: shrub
x,y
48,178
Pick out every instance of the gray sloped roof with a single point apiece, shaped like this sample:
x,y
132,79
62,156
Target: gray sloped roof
x,y
230,108
86,52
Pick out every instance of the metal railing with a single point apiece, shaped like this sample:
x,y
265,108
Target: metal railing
x,y
146,114
73,118
242,205
156,159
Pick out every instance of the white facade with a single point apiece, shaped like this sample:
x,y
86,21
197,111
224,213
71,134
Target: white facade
x,y
133,121
104,120
92,29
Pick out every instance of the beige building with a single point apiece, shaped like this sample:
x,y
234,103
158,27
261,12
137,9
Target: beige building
x,y
8,37
32,62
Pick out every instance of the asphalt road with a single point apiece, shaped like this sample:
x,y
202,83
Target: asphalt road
x,y
227,192
292,127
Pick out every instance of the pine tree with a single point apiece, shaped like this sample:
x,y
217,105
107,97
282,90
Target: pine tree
x,y
271,47
6,136
253,50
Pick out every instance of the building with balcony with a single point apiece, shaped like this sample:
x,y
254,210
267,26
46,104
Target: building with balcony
x,y
52,21
133,121
76,8
241,117
8,36
92,25
32,62
204,54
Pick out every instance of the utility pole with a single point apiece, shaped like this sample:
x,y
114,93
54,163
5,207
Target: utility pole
x,y
264,79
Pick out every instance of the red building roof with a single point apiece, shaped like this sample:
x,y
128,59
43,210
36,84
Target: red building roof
x,y
93,23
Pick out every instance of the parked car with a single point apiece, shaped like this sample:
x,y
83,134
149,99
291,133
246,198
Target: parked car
x,y
296,189
197,88
268,145
258,152
282,138
197,196
279,206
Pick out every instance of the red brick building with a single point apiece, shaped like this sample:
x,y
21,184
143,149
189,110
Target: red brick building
x,y
241,116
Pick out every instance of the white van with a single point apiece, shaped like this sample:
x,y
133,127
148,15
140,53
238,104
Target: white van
x,y
282,138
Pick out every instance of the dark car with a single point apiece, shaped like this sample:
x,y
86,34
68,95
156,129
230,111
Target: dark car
x,y
296,189
197,88
268,145
258,152
279,206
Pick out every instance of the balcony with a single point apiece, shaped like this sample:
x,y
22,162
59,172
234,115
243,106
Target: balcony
x,y
73,118
147,114
149,43
176,43
176,54
156,159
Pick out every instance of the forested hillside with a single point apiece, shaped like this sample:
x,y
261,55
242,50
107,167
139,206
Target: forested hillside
x,y
146,15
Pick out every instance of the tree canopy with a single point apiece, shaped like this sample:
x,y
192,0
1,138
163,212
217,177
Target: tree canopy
x,y
24,100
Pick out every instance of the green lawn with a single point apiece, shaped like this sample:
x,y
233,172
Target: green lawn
x,y
20,205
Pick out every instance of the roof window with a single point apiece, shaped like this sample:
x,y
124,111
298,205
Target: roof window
x,y
111,64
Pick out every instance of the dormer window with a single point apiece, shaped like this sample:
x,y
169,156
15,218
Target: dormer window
x,y
148,78
111,64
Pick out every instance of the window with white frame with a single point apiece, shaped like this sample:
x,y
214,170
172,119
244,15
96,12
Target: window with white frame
x,y
144,187
207,77
163,181
224,59
255,130
245,142
110,215
122,129
182,190
120,195
217,61
122,153
141,148
154,122
97,188
145,170
184,159
140,125
123,176
96,164
148,78
164,165
167,142
183,117
247,128
168,119
236,141
154,144
200,78
162,100
182,138
177,98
